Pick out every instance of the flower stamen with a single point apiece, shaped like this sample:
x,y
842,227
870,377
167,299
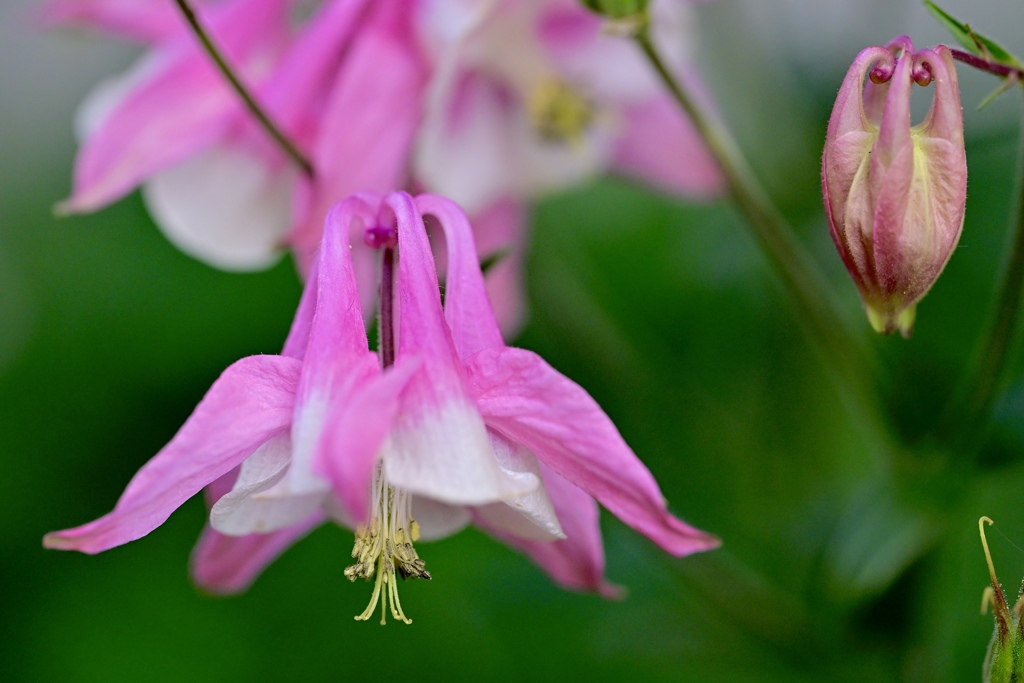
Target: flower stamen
x,y
385,548
558,113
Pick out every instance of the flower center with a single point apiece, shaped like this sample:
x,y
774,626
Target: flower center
x,y
558,113
384,547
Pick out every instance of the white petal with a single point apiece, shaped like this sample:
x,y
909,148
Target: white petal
x,y
541,166
336,512
531,517
447,456
306,433
256,504
224,206
463,146
438,520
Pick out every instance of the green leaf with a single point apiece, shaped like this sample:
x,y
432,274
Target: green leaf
x,y
1006,84
977,44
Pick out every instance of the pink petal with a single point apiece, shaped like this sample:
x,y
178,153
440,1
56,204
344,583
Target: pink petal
x,y
226,565
529,402
369,119
229,564
660,146
501,229
337,358
147,21
466,147
439,447
337,324
249,403
577,561
422,325
182,106
894,129
298,334
295,92
357,425
467,308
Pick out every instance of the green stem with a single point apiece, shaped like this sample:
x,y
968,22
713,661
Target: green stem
x,y
818,307
966,419
282,140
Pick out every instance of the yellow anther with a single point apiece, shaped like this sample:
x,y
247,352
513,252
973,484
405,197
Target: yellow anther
x,y
382,548
559,113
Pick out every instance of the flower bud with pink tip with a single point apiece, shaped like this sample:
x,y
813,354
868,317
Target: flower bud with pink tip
x,y
895,193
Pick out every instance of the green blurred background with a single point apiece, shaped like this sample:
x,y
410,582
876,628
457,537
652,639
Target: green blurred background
x,y
850,548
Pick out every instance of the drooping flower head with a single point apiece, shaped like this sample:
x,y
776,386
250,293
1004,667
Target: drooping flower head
x,y
895,193
446,426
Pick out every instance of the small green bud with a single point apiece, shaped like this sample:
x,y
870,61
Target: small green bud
x,y
1004,661
617,9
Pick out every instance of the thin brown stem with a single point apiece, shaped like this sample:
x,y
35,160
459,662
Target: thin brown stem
x,y
817,306
276,134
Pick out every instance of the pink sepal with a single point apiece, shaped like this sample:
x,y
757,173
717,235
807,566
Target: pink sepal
x,y
529,402
183,98
249,403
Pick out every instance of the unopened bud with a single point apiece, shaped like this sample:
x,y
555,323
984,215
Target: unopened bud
x,y
895,194
1003,661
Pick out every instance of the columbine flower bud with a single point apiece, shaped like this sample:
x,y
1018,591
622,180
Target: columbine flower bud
x,y
1003,661
895,194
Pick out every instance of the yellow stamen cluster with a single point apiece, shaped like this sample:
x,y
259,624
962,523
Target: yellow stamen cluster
x,y
385,547
559,113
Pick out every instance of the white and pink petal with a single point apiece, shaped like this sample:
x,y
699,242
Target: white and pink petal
x,y
532,404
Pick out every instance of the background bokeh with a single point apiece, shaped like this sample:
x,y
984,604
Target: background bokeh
x,y
850,547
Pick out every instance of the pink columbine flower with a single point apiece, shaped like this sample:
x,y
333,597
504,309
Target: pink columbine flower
x,y
895,193
344,88
533,96
445,427
491,102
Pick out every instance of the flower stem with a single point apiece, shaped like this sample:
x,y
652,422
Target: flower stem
x,y
968,416
387,308
278,136
1001,70
816,302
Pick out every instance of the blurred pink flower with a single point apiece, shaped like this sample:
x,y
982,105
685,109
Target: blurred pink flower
x,y
894,193
460,429
492,103
533,96
214,183
530,96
